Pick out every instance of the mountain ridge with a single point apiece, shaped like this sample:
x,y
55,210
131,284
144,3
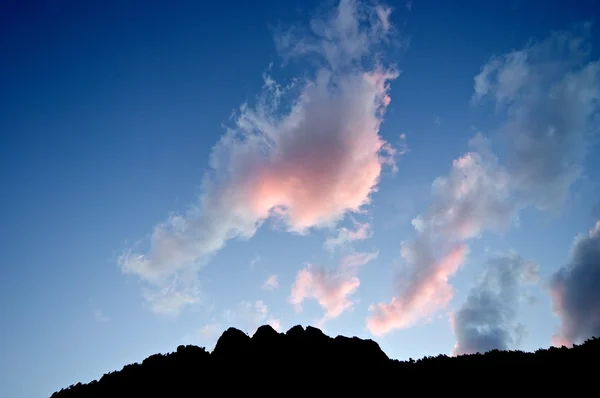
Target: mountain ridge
x,y
339,364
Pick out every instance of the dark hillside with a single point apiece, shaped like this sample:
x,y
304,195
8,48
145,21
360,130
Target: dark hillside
x,y
306,361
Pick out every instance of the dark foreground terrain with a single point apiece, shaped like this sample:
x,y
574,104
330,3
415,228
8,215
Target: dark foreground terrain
x,y
306,361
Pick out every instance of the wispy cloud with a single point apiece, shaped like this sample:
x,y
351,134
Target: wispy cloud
x,y
346,236
550,94
306,154
473,198
487,319
331,288
271,283
575,293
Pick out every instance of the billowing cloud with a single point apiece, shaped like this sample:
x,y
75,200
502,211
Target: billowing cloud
x,y
474,197
306,154
271,283
330,288
550,91
575,291
487,319
344,236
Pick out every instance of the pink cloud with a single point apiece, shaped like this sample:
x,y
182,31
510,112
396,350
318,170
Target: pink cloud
x,y
275,324
428,295
330,288
472,198
271,283
305,166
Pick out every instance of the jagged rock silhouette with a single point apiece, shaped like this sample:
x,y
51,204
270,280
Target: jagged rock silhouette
x,y
306,361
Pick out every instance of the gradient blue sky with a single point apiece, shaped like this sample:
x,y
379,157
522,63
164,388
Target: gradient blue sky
x,y
110,110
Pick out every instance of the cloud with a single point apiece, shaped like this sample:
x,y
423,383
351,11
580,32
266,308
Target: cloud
x,y
345,235
306,154
330,288
275,324
271,283
486,320
474,197
575,291
170,297
550,92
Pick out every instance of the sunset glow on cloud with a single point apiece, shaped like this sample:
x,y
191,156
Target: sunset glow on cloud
x,y
330,288
307,167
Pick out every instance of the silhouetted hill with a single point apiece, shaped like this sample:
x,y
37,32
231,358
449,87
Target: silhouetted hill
x,y
306,361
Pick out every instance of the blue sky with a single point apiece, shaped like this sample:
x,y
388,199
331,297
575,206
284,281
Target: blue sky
x,y
161,163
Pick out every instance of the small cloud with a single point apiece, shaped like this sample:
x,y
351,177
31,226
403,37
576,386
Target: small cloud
x,y
330,288
275,324
271,283
437,121
383,13
345,235
408,5
99,316
402,147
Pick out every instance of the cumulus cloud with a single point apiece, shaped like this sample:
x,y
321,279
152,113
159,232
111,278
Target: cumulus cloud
x,y
306,154
487,319
474,197
330,288
344,236
550,91
271,283
575,291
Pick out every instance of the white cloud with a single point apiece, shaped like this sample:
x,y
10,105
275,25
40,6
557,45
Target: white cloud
x,y
346,236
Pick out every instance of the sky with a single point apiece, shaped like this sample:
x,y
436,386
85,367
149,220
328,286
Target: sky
x,y
424,174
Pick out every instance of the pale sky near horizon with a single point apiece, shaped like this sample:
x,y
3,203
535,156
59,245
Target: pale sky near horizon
x,y
420,173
